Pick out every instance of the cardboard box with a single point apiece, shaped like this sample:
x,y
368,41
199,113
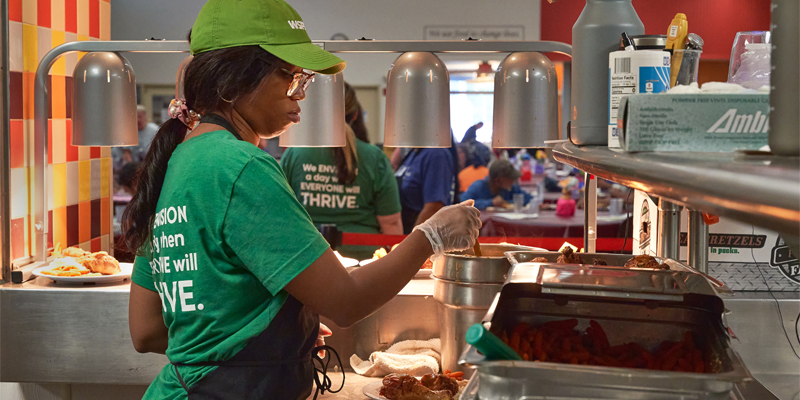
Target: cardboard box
x,y
693,122
745,257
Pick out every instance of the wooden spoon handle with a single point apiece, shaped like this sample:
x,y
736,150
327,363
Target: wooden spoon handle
x,y
476,248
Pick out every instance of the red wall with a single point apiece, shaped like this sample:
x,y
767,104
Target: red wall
x,y
716,21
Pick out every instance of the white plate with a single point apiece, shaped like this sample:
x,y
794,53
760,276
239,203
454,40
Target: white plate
x,y
365,262
373,391
127,269
423,273
346,261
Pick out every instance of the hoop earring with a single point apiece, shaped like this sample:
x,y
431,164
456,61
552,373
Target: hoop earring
x,y
224,99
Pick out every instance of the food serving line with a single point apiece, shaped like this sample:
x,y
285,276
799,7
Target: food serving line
x,y
53,333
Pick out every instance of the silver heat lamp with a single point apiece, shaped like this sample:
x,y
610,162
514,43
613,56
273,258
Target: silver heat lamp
x,y
322,122
418,102
104,101
525,102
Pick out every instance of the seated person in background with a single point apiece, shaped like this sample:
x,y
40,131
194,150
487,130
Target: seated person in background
x,y
472,168
127,179
565,207
498,189
126,184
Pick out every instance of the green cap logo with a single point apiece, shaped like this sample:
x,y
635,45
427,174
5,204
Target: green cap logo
x,y
272,24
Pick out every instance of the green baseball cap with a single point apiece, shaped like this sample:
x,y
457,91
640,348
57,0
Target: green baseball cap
x,y
272,24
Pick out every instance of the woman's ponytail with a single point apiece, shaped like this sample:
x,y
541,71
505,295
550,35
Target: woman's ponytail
x,y
209,79
346,159
137,219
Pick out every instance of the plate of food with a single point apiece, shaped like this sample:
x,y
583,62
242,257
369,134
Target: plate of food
x,y
446,386
79,266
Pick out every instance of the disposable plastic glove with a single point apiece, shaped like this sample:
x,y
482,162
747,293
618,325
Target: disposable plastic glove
x,y
452,228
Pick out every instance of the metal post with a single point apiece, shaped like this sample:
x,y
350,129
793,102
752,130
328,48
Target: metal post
x,y
668,229
5,169
444,46
697,242
590,214
42,99
566,103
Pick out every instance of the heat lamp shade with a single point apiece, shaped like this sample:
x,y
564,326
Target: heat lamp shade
x,y
322,122
104,101
525,102
418,102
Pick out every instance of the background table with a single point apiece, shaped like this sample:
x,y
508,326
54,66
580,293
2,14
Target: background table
x,y
547,224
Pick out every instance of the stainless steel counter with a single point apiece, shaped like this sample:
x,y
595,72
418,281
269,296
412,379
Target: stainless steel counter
x,y
75,334
80,334
55,333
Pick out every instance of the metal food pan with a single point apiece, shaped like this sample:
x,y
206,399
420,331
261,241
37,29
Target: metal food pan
x,y
624,321
612,260
464,266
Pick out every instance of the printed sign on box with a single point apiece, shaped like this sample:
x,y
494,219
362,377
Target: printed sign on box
x,y
735,249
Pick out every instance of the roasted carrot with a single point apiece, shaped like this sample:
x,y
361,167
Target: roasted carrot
x,y
600,333
513,341
537,342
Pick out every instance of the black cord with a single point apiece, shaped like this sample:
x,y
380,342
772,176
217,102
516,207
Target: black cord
x,y
326,383
777,303
628,221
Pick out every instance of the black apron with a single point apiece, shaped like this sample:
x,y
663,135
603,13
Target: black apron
x,y
276,364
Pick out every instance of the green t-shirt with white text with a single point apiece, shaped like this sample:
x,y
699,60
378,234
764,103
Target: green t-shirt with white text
x,y
228,236
311,172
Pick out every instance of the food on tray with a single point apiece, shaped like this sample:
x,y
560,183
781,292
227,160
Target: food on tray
x,y
74,252
67,266
540,260
78,262
381,252
645,261
102,263
445,386
458,375
598,261
560,342
569,256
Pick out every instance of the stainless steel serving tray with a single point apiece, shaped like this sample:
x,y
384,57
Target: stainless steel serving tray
x,y
614,260
642,306
491,267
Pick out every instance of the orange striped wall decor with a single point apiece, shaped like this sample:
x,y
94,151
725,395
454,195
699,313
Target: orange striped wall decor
x,y
80,178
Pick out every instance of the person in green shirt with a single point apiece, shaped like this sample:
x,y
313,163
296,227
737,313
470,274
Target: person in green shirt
x,y
230,275
352,187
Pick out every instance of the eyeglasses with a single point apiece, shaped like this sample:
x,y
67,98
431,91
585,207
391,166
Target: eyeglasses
x,y
299,80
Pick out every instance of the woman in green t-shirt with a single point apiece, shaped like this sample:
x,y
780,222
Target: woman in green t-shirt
x,y
230,274
352,187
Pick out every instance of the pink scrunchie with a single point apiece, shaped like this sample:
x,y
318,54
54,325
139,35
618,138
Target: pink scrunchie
x,y
177,109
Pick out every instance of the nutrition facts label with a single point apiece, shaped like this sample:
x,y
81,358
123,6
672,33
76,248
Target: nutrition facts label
x,y
621,85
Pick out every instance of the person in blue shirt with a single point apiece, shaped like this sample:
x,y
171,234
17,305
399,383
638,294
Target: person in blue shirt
x,y
426,179
478,149
497,189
